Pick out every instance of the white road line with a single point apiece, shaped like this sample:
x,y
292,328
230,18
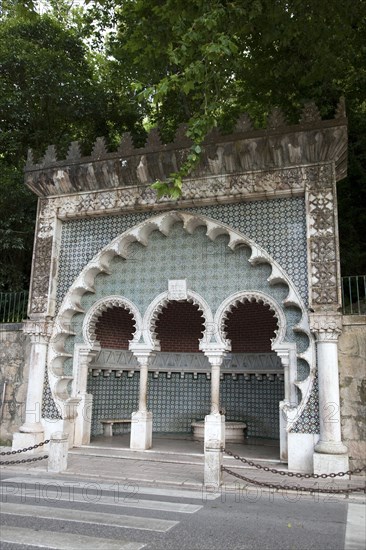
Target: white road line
x,y
81,516
63,541
48,495
356,527
121,487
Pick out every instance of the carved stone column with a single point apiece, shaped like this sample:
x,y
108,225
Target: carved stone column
x,y
84,408
141,425
215,358
287,354
330,453
32,431
214,437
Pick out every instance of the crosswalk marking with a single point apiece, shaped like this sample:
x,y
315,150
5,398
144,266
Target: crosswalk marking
x,y
355,538
82,516
36,500
133,501
123,487
63,541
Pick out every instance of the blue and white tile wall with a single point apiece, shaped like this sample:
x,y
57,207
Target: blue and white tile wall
x,y
211,268
176,403
277,225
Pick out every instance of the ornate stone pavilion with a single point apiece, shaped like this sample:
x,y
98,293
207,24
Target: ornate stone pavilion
x,y
222,305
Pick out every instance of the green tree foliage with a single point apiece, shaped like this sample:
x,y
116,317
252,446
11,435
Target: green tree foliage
x,y
52,91
79,72
205,62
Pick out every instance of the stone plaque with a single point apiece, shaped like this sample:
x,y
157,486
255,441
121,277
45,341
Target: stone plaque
x,y
177,289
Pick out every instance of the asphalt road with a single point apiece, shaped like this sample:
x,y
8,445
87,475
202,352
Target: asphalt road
x,y
77,514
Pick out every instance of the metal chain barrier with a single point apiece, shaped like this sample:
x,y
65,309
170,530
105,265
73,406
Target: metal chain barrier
x,y
294,487
25,449
35,459
292,474
8,462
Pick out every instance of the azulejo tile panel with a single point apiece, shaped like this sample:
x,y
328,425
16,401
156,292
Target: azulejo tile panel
x,y
49,409
176,402
277,225
211,268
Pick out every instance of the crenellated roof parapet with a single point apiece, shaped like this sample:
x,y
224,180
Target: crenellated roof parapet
x,y
278,146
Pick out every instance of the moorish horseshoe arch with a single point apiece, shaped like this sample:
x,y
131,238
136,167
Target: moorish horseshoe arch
x,y
140,233
284,349
104,304
250,296
158,304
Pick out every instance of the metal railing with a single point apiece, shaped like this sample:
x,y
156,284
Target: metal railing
x,y
354,295
13,306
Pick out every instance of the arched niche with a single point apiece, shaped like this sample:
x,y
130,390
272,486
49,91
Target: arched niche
x,y
145,327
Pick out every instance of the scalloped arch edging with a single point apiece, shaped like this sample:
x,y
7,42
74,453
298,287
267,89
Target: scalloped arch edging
x,y
119,247
158,304
103,305
250,296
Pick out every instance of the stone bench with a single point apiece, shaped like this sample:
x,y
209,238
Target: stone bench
x,y
108,424
234,431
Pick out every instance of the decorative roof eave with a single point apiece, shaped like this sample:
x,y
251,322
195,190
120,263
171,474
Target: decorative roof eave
x,y
278,146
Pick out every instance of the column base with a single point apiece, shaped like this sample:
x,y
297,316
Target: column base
x,y
23,440
141,431
57,460
331,448
31,427
214,440
330,463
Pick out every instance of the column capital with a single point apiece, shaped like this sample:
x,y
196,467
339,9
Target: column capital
x,y
326,327
215,353
39,330
86,354
142,353
283,350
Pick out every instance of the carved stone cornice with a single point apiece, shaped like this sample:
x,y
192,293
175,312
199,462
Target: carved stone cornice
x,y
245,150
326,327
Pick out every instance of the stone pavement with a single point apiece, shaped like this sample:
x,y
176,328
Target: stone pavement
x,y
176,462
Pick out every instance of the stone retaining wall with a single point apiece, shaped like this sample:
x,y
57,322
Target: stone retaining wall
x,y
13,372
352,377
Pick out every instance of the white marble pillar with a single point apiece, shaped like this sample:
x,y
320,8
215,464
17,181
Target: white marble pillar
x,y
215,357
214,437
284,355
286,351
32,431
141,420
84,409
330,453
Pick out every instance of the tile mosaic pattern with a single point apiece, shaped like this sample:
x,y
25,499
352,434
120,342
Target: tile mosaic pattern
x,y
49,409
214,273
308,423
277,225
212,269
176,403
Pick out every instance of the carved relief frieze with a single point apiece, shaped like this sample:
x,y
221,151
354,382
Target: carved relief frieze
x,y
42,258
41,275
227,188
323,240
